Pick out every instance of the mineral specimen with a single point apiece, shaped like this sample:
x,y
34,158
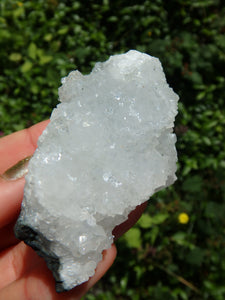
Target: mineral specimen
x,y
109,146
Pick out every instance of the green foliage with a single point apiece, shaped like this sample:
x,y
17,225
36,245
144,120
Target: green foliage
x,y
41,41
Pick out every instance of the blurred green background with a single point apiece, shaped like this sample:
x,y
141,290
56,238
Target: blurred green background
x,y
177,249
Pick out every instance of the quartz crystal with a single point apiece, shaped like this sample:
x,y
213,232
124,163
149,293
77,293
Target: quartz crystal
x,y
109,146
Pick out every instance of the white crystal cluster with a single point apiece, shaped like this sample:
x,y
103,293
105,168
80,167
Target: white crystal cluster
x,y
109,146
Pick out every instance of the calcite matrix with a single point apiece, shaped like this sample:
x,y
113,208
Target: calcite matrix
x,y
109,146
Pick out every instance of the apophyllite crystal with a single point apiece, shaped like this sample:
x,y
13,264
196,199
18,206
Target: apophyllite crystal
x,y
109,146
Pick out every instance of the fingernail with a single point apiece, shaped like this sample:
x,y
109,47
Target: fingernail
x,y
17,171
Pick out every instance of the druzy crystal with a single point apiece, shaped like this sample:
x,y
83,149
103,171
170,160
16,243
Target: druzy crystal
x,y
109,146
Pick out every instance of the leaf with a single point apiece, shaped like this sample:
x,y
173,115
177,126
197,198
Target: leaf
x,y
63,30
48,37
154,233
34,88
18,12
180,238
26,66
40,52
145,221
159,218
195,256
206,140
45,59
15,57
133,238
32,50
193,184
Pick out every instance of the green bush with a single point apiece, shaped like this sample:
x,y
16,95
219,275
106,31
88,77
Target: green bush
x,y
41,41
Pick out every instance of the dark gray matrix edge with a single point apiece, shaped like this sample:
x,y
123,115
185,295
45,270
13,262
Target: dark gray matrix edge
x,y
41,245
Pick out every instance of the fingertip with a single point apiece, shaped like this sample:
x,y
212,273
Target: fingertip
x,y
19,145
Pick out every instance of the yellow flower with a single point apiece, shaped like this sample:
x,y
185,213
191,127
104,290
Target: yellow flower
x,y
19,3
183,218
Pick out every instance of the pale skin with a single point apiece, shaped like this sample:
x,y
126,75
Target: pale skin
x,y
23,274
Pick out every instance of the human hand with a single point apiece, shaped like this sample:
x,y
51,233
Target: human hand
x,y
23,274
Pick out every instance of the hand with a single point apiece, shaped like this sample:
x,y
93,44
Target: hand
x,y
23,274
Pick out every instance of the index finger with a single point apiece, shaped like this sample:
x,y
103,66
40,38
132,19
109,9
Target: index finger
x,y
19,145
14,148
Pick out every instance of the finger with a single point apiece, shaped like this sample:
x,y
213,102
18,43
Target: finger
x,y
39,283
19,145
15,262
132,219
11,196
13,148
8,238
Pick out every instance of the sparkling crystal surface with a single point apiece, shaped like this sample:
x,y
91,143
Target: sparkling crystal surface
x,y
109,146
